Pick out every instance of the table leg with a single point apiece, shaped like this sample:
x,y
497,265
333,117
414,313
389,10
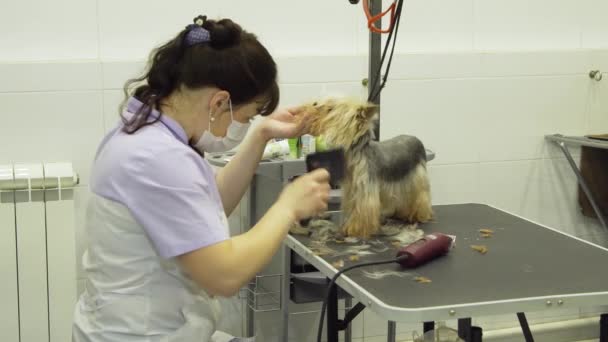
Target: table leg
x,y
284,295
348,333
392,331
464,329
525,328
332,315
476,334
604,328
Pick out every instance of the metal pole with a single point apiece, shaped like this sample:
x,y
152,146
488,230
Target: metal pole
x,y
348,334
249,313
525,327
464,329
284,295
392,331
375,56
604,328
332,315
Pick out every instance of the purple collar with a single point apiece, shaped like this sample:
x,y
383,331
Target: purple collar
x,y
133,105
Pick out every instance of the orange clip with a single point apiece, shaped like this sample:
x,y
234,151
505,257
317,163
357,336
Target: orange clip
x,y
371,20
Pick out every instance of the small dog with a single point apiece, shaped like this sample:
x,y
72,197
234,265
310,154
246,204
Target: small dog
x,y
382,179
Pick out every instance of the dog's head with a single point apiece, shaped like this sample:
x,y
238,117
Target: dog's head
x,y
342,122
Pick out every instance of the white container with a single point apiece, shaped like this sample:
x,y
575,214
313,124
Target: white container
x,y
276,149
308,144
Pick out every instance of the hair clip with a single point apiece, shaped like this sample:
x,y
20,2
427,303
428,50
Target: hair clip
x,y
200,20
196,33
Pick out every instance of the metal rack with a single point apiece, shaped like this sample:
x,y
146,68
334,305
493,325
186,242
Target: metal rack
x,y
263,294
562,141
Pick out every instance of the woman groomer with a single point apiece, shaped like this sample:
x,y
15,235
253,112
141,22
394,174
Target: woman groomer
x,y
159,249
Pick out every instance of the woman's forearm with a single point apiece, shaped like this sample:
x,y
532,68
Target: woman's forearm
x,y
224,268
234,178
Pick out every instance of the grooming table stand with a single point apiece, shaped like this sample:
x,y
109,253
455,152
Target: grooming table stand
x,y
562,141
528,268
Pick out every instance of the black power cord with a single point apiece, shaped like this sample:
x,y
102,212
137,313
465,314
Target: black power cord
x,y
377,87
337,275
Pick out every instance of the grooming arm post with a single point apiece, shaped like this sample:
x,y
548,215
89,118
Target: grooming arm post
x,y
375,57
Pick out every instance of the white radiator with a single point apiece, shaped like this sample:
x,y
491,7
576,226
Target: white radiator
x,y
37,252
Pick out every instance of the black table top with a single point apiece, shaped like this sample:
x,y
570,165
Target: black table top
x,y
524,260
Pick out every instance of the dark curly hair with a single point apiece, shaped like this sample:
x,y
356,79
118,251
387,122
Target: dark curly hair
x,y
233,60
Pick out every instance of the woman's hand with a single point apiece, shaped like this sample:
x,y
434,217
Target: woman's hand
x,y
307,195
285,123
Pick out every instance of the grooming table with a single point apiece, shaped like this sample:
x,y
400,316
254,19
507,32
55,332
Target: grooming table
x,y
528,268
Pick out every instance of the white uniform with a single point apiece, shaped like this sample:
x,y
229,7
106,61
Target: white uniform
x,y
152,198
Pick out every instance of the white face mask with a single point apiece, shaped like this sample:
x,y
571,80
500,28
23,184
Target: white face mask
x,y
234,135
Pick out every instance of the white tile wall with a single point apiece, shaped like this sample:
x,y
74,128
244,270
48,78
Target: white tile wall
x,y
51,127
274,23
594,31
535,25
599,60
112,29
436,25
48,30
525,188
534,63
598,98
518,112
457,183
112,100
149,24
435,66
117,73
45,76
442,113
348,89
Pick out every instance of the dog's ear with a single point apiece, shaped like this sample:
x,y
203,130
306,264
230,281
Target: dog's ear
x,y
367,111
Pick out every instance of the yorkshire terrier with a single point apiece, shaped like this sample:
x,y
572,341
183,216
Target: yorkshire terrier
x,y
382,180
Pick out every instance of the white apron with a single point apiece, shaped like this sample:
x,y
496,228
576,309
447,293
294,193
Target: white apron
x,y
131,294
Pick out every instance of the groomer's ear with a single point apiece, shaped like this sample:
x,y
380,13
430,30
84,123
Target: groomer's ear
x,y
219,101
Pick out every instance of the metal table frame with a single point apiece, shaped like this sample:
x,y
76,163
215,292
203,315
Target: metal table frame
x,y
561,141
462,312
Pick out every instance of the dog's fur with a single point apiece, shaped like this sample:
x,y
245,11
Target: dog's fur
x,y
382,179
